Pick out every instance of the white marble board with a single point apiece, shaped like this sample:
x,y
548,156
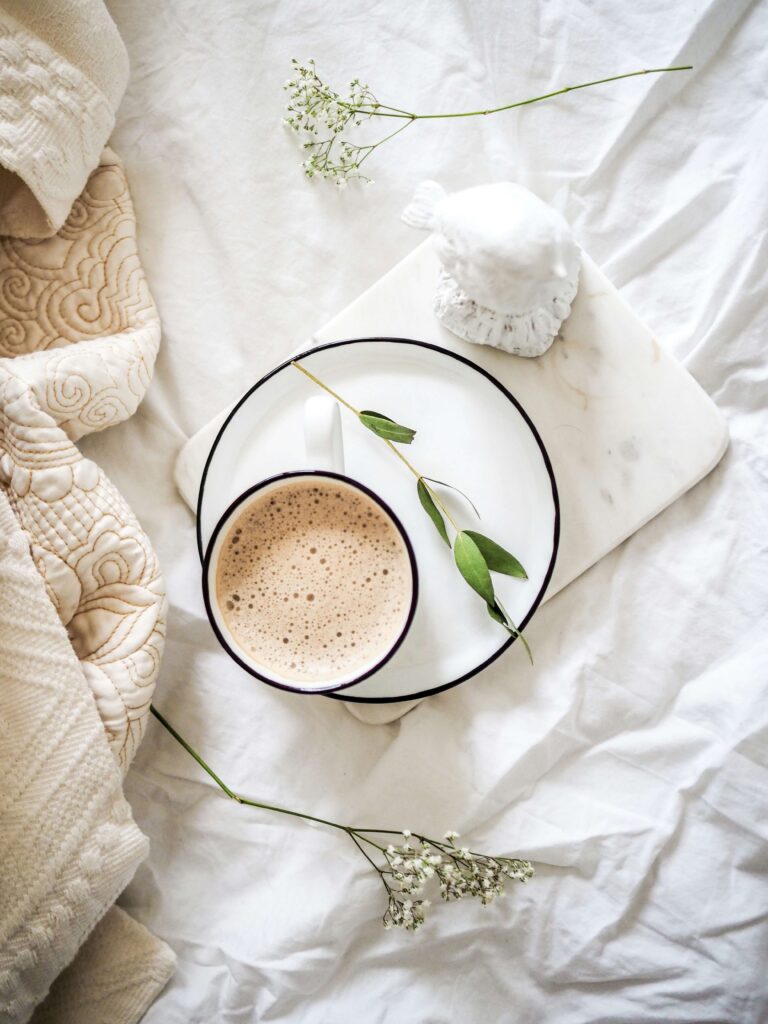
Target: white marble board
x,y
627,428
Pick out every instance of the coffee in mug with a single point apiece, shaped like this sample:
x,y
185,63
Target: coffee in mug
x,y
311,581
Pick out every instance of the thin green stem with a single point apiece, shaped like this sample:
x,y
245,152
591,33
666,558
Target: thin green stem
x,y
510,625
405,113
378,831
398,453
353,831
435,497
377,109
230,793
353,836
325,387
359,833
293,814
191,751
528,102
385,139
373,111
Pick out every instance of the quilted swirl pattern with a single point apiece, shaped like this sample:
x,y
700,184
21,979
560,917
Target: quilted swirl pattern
x,y
78,338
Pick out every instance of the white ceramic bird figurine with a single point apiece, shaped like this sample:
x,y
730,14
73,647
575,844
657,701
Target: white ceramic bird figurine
x,y
510,265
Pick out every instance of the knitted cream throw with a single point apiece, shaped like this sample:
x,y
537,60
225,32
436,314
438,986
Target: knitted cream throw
x,y
68,843
82,603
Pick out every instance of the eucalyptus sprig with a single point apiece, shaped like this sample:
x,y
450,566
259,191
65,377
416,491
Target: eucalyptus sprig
x,y
321,116
475,555
404,868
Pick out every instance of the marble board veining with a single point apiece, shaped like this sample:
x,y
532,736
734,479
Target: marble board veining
x,y
627,428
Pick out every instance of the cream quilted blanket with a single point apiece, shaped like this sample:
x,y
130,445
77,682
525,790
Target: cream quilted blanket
x,y
82,600
78,339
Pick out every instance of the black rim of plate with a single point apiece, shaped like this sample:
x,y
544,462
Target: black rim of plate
x,y
224,521
339,695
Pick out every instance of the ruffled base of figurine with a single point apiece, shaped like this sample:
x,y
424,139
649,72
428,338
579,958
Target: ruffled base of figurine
x,y
524,334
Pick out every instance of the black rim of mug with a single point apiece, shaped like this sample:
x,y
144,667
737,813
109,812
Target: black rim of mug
x,y
227,517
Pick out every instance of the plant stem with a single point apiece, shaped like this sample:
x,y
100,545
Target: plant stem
x,y
386,138
180,739
370,860
516,632
509,624
325,387
399,454
386,106
357,835
236,796
520,103
351,830
418,476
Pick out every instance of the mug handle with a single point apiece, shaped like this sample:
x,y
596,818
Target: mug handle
x,y
323,439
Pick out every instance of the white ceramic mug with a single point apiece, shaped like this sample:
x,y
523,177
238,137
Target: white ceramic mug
x,y
325,453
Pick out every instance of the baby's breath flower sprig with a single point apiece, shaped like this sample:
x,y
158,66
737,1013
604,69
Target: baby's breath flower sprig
x,y
315,109
408,867
475,555
321,116
458,871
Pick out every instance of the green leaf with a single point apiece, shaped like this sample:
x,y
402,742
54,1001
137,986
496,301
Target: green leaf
x,y
432,510
378,415
442,483
499,614
497,559
384,427
472,566
495,614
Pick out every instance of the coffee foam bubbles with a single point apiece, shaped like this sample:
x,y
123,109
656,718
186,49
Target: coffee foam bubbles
x,y
313,581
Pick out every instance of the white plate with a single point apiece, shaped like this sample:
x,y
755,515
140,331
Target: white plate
x,y
472,433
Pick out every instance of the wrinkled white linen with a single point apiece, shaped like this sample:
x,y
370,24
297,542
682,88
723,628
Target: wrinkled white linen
x,y
630,763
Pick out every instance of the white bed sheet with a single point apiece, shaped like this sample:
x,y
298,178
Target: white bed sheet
x,y
632,762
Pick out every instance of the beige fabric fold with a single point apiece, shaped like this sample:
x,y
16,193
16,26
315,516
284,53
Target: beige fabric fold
x,y
114,979
63,71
